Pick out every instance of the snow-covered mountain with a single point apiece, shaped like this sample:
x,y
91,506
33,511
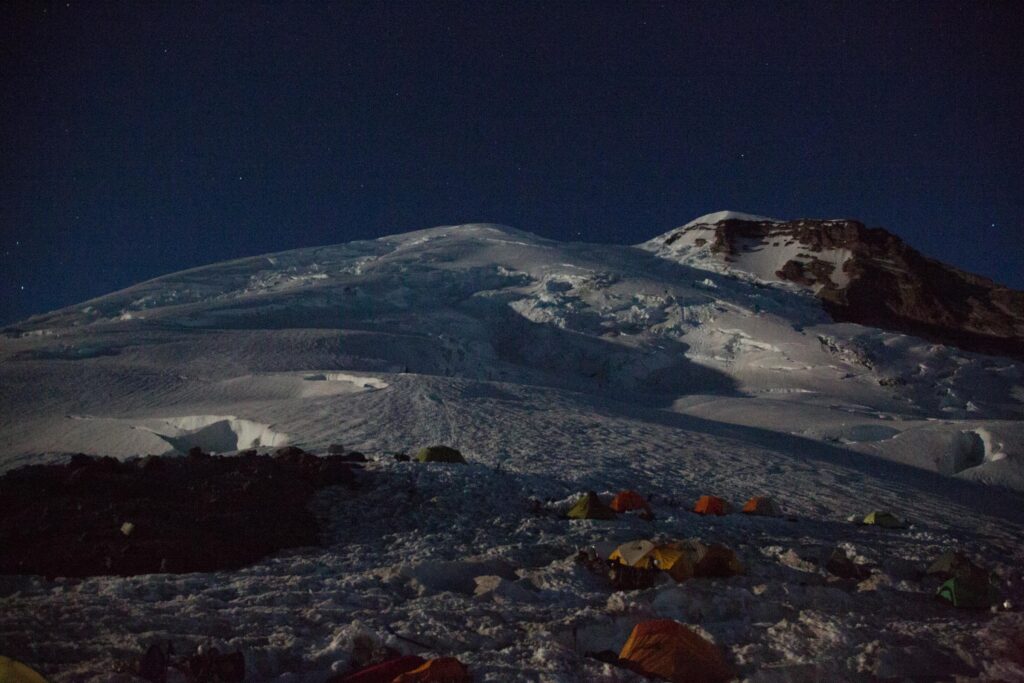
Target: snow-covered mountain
x,y
707,360
862,275
682,324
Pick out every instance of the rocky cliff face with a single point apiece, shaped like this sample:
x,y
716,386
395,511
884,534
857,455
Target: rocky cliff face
x,y
862,275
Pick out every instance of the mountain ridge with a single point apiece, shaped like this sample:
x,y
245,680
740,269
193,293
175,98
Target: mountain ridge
x,y
863,275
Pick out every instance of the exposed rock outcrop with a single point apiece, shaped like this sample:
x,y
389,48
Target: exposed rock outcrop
x,y
865,275
97,516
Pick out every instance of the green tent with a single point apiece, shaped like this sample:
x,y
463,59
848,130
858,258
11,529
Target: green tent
x,y
974,593
439,454
884,519
591,507
951,564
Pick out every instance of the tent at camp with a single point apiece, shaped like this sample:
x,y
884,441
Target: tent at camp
x,y
883,519
671,558
952,564
440,670
439,454
679,559
385,672
762,505
717,560
633,566
634,554
667,650
590,507
624,501
13,671
973,593
712,505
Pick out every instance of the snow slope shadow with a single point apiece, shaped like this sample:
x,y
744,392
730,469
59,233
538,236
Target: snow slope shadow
x,y
895,483
577,361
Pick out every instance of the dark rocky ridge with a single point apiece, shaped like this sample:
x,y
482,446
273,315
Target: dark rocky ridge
x,y
891,285
187,514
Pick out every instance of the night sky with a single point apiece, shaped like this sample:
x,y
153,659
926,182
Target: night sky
x,y
141,138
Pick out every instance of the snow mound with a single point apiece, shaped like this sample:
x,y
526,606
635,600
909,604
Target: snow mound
x,y
355,380
216,433
457,576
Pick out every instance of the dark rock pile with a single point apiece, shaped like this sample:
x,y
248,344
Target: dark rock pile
x,y
96,516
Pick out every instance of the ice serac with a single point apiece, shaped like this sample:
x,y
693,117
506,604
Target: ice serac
x,y
862,275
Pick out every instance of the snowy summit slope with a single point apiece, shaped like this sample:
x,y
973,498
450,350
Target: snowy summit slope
x,y
862,275
555,368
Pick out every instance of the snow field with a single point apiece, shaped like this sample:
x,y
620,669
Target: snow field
x,y
453,558
556,369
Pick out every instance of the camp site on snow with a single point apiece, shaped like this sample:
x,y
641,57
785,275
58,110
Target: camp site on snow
x,y
651,563
472,452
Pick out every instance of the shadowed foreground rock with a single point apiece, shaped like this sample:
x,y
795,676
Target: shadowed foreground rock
x,y
96,516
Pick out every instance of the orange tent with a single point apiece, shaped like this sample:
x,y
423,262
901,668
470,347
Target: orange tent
x,y
440,670
711,505
384,672
666,649
761,505
629,500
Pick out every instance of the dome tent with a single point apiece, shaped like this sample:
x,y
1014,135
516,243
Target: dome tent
x,y
590,506
440,670
439,454
882,519
762,505
679,559
952,564
634,554
624,501
13,671
668,650
384,672
712,505
973,593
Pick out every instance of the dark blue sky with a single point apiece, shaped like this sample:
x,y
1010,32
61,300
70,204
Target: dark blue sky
x,y
140,138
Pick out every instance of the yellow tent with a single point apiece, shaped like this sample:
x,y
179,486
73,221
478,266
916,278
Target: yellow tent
x,y
678,558
634,554
685,559
884,519
13,671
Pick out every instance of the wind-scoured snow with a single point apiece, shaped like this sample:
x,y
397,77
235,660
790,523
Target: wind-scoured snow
x,y
556,368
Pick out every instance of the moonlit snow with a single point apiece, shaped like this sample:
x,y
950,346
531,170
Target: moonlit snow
x,y
556,368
